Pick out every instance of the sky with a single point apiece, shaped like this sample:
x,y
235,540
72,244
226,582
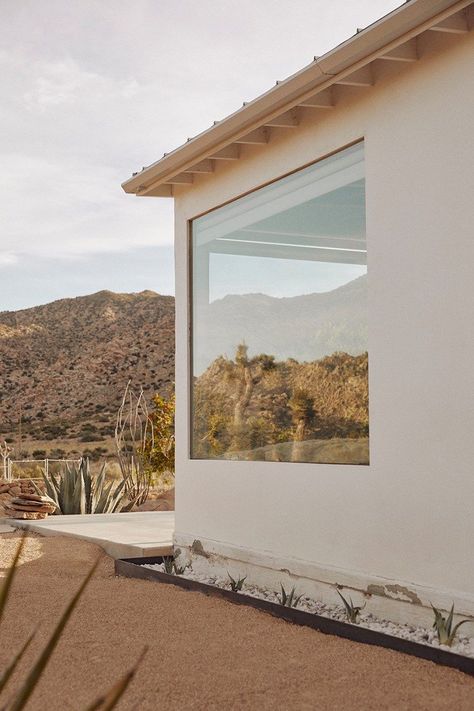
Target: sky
x,y
92,90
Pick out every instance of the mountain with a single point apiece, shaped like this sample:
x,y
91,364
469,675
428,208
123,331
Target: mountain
x,y
304,327
64,365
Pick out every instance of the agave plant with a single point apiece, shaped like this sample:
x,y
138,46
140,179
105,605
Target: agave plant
x,y
352,611
178,569
288,599
444,626
19,699
168,564
236,585
76,491
171,566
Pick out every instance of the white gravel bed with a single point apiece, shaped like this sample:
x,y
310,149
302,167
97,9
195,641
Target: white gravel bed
x,y
462,644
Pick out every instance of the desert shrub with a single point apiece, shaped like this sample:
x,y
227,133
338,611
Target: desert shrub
x,y
250,402
90,437
94,454
160,446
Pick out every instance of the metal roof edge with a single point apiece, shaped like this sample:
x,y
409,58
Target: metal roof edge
x,y
319,74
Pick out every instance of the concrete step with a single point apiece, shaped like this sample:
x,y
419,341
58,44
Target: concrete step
x,y
121,535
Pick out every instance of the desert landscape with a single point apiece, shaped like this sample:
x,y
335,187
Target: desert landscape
x,y
65,365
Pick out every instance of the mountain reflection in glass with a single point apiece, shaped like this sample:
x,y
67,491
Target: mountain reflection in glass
x,y
279,320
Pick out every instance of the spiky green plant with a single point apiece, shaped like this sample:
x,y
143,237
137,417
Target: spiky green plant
x,y
20,698
76,491
168,563
172,567
178,569
352,611
443,625
236,585
288,599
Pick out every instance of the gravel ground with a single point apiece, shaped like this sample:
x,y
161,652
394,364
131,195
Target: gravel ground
x,y
463,644
203,653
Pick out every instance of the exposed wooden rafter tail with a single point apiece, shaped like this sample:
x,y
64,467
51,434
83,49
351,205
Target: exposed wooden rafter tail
x,y
406,52
289,119
322,100
361,77
180,179
258,136
455,24
204,166
230,152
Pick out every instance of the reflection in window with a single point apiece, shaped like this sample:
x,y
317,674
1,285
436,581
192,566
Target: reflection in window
x,y
280,364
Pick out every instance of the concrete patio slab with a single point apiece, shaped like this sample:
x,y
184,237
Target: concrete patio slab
x,y
121,535
4,528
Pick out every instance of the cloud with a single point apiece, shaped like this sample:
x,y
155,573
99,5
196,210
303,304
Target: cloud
x,y
65,82
7,259
91,91
69,208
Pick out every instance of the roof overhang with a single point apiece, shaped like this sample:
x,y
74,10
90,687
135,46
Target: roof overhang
x,y
393,37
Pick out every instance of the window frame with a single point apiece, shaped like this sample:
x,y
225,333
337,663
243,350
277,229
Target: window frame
x,y
190,304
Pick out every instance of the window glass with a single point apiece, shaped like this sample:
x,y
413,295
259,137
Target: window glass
x,y
279,320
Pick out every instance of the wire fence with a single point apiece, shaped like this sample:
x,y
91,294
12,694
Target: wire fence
x,y
33,468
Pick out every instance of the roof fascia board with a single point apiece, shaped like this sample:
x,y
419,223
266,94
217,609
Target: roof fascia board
x,y
399,26
404,19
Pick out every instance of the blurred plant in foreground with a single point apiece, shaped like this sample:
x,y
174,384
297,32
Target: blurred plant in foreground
x,y
19,699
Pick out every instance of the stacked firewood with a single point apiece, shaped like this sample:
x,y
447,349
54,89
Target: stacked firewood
x,y
19,499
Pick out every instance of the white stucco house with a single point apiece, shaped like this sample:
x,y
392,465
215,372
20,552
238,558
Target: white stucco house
x,y
324,322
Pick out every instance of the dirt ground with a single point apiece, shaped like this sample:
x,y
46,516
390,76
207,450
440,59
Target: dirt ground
x,y
203,653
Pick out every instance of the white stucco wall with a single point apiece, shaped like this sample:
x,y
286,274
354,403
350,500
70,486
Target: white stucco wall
x,y
409,516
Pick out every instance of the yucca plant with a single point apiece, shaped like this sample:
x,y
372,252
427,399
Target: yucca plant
x,y
352,611
236,585
288,599
19,699
76,491
445,631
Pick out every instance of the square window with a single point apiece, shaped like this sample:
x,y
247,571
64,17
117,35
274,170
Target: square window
x,y
279,320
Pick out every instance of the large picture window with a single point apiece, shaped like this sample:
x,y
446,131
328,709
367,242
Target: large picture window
x,y
279,320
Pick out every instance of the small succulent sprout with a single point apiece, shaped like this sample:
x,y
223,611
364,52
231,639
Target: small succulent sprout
x,y
172,567
168,562
445,631
236,585
178,569
288,599
352,611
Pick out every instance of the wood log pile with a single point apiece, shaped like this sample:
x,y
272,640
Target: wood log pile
x,y
21,499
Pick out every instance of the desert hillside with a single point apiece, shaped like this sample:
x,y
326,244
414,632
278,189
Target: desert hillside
x,y
64,366
261,408
332,321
